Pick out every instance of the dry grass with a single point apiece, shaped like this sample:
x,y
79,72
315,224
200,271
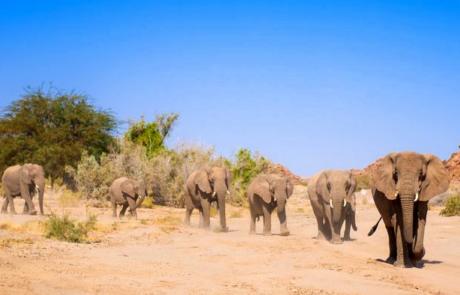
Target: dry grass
x,y
236,214
168,223
11,242
32,227
69,199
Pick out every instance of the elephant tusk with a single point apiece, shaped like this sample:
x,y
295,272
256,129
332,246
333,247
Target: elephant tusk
x,y
344,203
416,197
214,194
330,203
228,192
37,188
396,194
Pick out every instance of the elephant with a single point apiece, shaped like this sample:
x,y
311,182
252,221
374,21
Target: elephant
x,y
203,187
331,197
24,181
402,184
265,193
127,192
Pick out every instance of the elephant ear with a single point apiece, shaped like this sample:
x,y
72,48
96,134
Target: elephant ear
x,y
437,178
289,188
25,174
263,190
202,180
382,176
351,189
228,177
128,188
321,186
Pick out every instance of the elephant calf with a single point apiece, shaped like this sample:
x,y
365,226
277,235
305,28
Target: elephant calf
x,y
266,193
24,181
203,187
332,200
127,192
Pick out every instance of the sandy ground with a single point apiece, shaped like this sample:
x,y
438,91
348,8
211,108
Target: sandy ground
x,y
158,255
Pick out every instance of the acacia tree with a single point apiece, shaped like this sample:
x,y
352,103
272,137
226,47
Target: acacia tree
x,y
53,129
152,135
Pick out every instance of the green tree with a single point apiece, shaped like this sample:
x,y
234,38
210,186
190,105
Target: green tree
x,y
53,129
152,135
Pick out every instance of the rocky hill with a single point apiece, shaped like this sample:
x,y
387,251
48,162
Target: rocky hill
x,y
453,165
281,170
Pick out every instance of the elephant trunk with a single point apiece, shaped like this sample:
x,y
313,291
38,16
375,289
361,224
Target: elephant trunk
x,y
41,194
418,251
407,204
140,199
281,211
337,211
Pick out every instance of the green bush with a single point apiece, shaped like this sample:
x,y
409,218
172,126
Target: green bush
x,y
65,229
452,207
362,181
245,167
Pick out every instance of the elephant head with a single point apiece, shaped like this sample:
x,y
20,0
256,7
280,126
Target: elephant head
x,y
215,182
273,188
336,189
32,178
411,178
134,188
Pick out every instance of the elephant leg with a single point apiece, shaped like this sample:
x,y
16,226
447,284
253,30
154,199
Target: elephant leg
x,y
123,210
267,220
335,238
26,208
206,208
11,203
252,223
188,214
401,247
391,244
5,203
318,211
132,207
114,209
28,198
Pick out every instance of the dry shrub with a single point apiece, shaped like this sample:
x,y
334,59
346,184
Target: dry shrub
x,y
452,207
69,199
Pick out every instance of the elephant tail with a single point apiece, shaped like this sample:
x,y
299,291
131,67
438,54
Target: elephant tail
x,y
374,228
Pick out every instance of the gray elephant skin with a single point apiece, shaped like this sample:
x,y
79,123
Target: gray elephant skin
x,y
267,193
331,195
127,193
23,181
203,187
402,185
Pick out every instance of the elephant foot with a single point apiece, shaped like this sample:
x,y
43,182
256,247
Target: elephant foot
x,y
33,212
390,260
252,232
267,233
336,241
347,238
3,212
417,256
285,233
224,229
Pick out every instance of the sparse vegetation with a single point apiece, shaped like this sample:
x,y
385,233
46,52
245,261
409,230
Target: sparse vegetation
x,y
148,203
452,207
363,181
64,228
69,199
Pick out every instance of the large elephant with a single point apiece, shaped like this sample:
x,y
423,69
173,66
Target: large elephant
x,y
266,193
127,192
331,197
23,181
203,187
402,184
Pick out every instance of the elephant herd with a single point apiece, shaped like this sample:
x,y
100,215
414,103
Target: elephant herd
x,y
401,183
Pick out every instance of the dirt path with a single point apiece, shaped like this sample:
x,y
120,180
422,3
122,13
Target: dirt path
x,y
157,255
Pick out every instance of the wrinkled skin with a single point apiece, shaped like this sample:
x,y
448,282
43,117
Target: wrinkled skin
x,y
127,193
203,187
23,181
403,183
331,197
267,193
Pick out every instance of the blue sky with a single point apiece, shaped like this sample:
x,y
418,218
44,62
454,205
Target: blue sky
x,y
309,84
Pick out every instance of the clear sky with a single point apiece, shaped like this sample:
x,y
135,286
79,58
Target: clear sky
x,y
310,84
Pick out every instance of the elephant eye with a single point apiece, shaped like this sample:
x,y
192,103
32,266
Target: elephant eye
x,y
347,186
328,186
422,176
